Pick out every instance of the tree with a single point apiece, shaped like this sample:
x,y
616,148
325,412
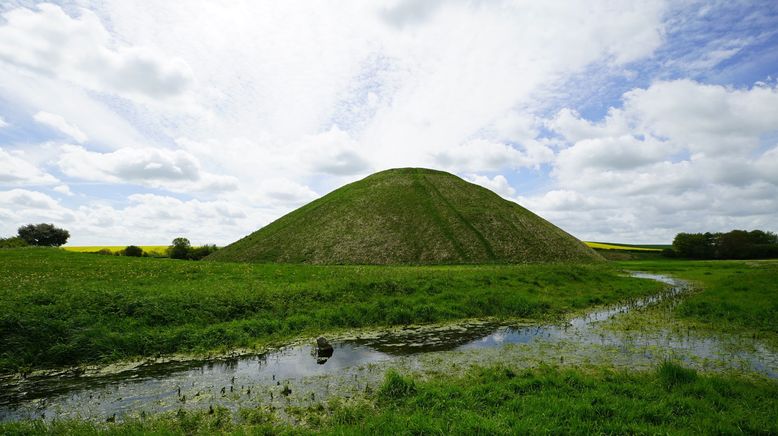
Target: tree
x,y
133,251
44,235
695,245
180,249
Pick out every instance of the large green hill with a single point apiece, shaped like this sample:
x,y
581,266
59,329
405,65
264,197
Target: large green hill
x,y
409,216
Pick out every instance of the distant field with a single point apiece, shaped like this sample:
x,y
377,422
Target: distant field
x,y
629,247
159,249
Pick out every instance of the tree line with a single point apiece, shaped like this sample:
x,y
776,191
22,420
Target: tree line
x,y
48,235
736,244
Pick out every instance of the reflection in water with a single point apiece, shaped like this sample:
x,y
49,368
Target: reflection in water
x,y
257,379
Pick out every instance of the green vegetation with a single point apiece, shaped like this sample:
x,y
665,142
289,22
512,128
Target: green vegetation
x,y
61,308
735,295
736,244
409,216
182,249
496,400
43,234
13,242
133,251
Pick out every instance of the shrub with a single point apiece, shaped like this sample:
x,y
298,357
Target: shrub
x,y
197,253
44,235
182,249
13,242
133,251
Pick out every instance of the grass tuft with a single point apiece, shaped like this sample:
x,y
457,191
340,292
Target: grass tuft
x,y
672,374
396,386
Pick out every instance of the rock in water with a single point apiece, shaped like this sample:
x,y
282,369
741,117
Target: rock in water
x,y
324,350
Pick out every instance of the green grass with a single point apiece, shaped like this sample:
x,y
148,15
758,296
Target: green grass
x,y
409,216
496,400
63,308
734,295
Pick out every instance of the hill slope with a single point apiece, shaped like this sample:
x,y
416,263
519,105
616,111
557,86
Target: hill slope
x,y
409,216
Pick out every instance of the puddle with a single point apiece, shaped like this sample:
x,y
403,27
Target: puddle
x,y
299,375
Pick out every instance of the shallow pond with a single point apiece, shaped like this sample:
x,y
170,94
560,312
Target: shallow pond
x,y
299,375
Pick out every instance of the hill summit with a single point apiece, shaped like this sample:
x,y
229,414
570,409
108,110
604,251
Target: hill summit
x,y
409,216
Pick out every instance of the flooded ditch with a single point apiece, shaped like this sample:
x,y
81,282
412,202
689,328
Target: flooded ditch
x,y
298,375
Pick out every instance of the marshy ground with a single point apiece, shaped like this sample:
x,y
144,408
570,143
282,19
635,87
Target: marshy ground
x,y
700,359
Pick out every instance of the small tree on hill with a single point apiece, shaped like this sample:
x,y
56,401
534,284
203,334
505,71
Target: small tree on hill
x,y
133,251
44,235
180,249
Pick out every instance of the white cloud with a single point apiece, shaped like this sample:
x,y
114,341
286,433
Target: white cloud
x,y
26,199
333,152
498,184
677,156
176,170
3,123
63,189
49,42
58,122
15,170
482,155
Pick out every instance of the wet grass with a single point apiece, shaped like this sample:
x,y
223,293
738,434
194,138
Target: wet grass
x,y
63,308
496,400
733,296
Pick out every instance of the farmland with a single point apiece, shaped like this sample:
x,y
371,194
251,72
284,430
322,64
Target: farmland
x,y
155,249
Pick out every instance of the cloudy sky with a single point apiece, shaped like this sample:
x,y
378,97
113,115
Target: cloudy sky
x,y
136,122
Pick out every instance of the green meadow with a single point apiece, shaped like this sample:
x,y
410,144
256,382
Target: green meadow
x,y
63,308
731,295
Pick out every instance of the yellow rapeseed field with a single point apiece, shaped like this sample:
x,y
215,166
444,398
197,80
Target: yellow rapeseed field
x,y
602,246
160,249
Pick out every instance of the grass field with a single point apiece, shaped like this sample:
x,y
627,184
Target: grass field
x,y
156,249
734,295
62,308
496,400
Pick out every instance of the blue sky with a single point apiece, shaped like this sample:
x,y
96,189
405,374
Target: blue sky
x,y
618,121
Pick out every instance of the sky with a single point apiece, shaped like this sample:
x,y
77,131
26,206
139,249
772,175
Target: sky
x,y
138,122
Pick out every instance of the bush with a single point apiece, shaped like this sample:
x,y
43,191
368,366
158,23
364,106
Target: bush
x,y
133,251
180,249
13,242
200,252
44,235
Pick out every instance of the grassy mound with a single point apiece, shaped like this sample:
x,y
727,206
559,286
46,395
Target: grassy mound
x,y
409,216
